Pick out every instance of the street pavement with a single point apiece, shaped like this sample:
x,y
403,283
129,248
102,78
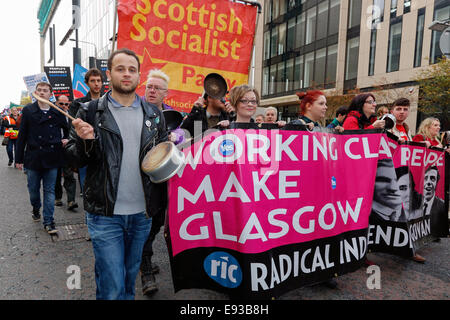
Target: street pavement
x,y
34,265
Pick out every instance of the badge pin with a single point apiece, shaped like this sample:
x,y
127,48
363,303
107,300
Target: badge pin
x,y
157,120
148,123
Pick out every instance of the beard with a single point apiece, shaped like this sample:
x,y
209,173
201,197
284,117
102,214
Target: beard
x,y
119,89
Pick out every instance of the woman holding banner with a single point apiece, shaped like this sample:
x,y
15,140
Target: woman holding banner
x,y
361,113
428,132
313,106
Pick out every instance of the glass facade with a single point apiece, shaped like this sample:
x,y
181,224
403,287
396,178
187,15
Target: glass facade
x,y
419,38
300,45
351,63
441,13
394,46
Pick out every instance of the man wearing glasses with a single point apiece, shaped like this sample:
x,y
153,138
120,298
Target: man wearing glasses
x,y
69,181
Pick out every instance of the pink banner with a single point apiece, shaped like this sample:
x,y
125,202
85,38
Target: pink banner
x,y
254,190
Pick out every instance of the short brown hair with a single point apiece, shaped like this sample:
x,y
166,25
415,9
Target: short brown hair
x,y
403,102
236,93
42,83
93,72
126,51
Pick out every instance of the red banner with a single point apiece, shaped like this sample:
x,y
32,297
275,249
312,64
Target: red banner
x,y
187,40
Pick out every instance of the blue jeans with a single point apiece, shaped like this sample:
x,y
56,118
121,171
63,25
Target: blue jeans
x,y
48,177
118,242
82,176
11,149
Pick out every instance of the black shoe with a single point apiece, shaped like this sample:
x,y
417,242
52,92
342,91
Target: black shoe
x,y
437,240
35,215
58,203
9,163
148,284
50,228
72,205
330,283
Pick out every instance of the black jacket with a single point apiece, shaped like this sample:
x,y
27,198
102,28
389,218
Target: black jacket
x,y
75,105
41,135
103,157
199,114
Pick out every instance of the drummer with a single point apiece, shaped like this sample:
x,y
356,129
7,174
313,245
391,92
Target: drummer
x,y
156,91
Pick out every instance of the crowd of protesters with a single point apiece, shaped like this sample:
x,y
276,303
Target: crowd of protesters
x,y
110,132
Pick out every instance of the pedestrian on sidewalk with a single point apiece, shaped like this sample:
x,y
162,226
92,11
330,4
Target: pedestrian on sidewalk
x,y
40,144
111,136
10,123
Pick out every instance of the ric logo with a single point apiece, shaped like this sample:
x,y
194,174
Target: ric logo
x,y
333,183
223,268
226,148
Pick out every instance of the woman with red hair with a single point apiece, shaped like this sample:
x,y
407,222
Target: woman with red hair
x,y
313,106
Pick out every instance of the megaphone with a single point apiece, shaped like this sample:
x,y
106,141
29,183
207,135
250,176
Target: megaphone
x,y
389,121
173,119
215,86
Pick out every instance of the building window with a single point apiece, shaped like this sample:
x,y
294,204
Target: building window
x,y
354,14
280,77
267,45
351,64
419,38
440,14
322,19
309,70
394,45
289,75
267,11
298,73
393,8
274,43
334,17
331,64
290,43
311,25
373,44
319,69
300,30
265,79
378,11
273,74
406,6
281,38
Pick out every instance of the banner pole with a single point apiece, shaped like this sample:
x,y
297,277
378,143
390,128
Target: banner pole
x,y
114,27
252,63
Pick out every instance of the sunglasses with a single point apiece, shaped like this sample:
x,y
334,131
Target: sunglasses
x,y
64,104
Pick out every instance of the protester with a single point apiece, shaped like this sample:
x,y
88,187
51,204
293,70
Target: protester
x,y
428,132
271,116
244,99
10,123
40,150
260,118
361,113
70,184
382,111
400,110
111,137
94,80
155,92
206,113
338,122
313,105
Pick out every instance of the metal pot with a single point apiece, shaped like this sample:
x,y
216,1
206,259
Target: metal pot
x,y
162,162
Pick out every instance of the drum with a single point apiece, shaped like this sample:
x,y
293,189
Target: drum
x,y
162,162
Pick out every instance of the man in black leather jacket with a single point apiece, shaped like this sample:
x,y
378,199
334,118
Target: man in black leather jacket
x,y
111,137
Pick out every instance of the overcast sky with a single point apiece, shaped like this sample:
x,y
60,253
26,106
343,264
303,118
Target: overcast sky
x,y
19,54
